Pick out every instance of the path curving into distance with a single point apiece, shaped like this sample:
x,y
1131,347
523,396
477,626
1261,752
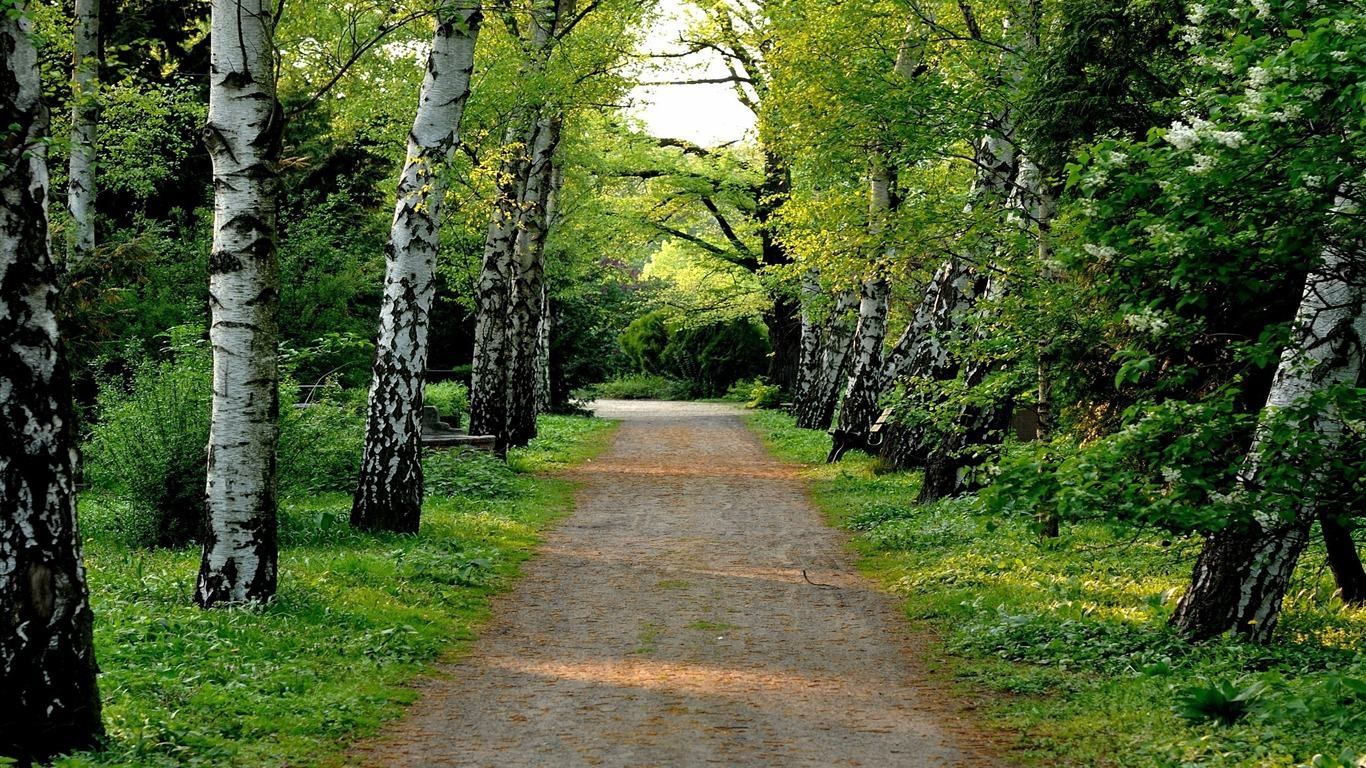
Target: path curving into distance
x,y
666,622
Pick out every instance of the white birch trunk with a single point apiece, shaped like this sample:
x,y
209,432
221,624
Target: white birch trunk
x,y
817,409
389,493
243,136
1241,575
859,408
544,396
529,282
545,323
85,111
49,702
809,348
489,368
495,353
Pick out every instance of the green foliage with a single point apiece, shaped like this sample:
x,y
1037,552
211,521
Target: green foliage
x,y
320,441
640,387
756,393
332,657
148,445
1220,701
712,357
450,398
471,474
644,341
1074,629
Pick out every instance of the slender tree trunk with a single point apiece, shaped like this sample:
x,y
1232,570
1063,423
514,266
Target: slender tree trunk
x,y
243,136
49,703
816,409
543,333
493,295
860,406
495,339
1241,575
85,111
808,356
1343,558
389,493
529,282
545,322
783,318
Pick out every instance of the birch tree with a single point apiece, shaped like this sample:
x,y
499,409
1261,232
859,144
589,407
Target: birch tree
x,y
494,335
85,110
243,136
47,657
389,493
528,284
1242,573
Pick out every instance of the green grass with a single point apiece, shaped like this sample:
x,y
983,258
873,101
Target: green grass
x,y
1065,641
357,616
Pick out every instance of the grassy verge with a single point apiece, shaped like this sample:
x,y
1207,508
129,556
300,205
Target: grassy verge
x,y
1065,641
358,615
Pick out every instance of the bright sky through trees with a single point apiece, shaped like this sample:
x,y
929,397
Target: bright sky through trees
x,y
706,114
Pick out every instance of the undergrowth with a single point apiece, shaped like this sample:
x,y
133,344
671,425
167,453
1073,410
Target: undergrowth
x,y
357,616
1066,643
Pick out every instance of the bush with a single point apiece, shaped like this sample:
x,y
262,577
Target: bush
x,y
756,394
149,444
448,397
147,449
640,387
320,446
715,356
644,341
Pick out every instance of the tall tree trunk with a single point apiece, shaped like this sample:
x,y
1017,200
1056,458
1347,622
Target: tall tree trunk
x,y
808,354
1241,575
543,335
783,319
860,406
243,136
49,703
85,111
529,282
816,408
922,353
495,342
1343,558
492,293
544,322
389,493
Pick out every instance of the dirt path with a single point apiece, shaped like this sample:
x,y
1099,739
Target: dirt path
x,y
667,623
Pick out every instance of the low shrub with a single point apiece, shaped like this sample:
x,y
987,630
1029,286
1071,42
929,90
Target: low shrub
x,y
320,445
448,397
640,387
756,393
148,445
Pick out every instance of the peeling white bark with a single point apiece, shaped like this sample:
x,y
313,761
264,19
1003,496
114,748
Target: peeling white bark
x,y
49,702
80,194
529,282
243,138
389,491
1241,576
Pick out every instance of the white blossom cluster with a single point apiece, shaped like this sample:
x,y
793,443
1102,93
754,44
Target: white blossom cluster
x,y
1186,137
1147,320
417,50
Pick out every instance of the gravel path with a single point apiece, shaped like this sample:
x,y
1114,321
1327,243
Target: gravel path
x,y
667,623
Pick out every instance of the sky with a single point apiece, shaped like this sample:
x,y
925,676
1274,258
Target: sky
x,y
703,114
